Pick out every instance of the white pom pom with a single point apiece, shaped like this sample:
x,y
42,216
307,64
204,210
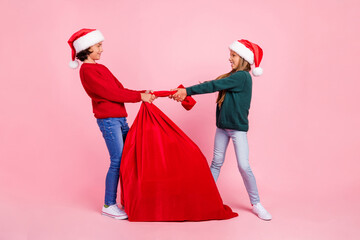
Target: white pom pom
x,y
74,64
257,71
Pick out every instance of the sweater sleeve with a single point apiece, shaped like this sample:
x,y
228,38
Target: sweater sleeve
x,y
138,91
235,82
95,84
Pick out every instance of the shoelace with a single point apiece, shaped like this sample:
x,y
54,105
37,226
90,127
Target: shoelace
x,y
261,209
119,210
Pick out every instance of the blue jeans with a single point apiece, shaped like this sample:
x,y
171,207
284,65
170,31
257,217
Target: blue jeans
x,y
241,147
114,131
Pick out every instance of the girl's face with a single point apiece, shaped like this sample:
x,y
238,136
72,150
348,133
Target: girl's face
x,y
234,60
96,51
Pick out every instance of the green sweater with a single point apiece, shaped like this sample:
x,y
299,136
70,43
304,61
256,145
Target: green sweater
x,y
234,111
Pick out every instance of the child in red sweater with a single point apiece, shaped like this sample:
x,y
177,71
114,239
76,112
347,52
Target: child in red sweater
x,y
108,97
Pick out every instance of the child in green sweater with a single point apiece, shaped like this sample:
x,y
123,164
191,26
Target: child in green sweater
x,y
232,111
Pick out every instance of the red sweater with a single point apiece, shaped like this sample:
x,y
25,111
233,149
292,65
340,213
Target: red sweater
x,y
107,94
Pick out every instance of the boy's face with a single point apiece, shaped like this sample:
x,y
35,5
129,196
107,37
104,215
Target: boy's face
x,y
96,51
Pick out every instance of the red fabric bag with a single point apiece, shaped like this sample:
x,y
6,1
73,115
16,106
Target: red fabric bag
x,y
188,102
164,175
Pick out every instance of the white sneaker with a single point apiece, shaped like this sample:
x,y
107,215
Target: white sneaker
x,y
259,210
114,211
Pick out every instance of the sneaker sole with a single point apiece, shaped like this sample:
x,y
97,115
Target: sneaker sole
x,y
120,217
265,219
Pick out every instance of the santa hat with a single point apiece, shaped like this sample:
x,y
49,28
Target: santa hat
x,y
250,52
82,40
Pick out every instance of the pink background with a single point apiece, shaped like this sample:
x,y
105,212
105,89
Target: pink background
x,y
304,134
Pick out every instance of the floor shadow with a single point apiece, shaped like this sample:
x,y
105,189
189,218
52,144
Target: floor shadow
x,y
241,208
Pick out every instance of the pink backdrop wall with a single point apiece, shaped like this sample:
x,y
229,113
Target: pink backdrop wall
x,y
303,136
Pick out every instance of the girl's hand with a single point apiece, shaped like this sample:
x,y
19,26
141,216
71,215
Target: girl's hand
x,y
147,97
180,95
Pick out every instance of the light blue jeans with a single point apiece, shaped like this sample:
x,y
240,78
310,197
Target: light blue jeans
x,y
114,131
241,147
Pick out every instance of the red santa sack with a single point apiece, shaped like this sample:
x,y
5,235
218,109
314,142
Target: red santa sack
x,y
164,175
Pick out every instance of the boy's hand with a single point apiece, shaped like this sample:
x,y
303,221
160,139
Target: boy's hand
x,y
150,91
147,97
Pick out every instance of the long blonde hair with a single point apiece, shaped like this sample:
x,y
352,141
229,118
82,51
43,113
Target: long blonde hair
x,y
243,66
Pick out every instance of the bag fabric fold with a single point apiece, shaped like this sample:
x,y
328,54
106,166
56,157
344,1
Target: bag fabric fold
x,y
164,175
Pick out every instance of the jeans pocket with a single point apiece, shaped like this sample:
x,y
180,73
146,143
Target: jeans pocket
x,y
105,128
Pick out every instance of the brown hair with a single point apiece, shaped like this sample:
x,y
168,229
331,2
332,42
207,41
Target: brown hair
x,y
243,66
83,55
